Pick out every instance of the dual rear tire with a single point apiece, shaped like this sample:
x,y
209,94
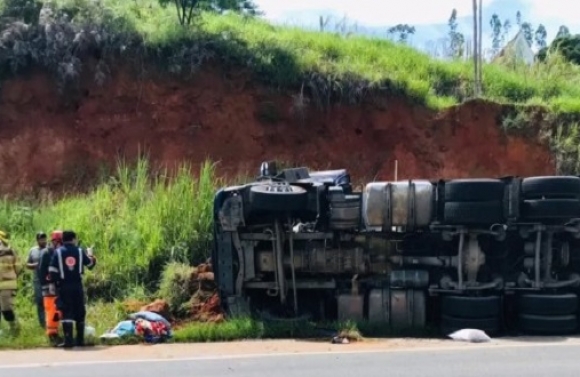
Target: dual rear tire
x,y
548,314
464,312
538,314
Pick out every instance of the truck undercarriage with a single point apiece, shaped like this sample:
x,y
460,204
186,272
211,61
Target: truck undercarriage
x,y
493,254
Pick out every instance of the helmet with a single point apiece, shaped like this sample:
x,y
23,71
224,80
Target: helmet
x,y
4,237
56,235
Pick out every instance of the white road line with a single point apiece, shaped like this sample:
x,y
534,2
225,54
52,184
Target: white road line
x,y
463,347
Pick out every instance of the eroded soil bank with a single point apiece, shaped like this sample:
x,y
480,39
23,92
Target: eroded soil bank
x,y
227,118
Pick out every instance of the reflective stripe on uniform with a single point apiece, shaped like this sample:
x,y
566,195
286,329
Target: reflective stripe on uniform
x,y
60,264
80,261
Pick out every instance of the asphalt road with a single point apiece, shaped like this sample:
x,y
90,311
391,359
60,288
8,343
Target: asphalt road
x,y
472,360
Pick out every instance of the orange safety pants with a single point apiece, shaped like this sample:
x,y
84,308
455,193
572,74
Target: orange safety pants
x,y
53,315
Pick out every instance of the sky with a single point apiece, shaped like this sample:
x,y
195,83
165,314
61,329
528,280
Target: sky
x,y
412,11
428,16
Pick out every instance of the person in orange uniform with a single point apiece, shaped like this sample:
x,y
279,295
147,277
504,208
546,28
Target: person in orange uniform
x,y
49,294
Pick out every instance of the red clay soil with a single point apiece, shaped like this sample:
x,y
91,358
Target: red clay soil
x,y
234,121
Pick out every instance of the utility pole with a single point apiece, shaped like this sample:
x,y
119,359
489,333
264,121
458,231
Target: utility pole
x,y
475,50
480,63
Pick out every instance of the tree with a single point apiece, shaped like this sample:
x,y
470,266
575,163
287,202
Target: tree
x,y
187,9
242,6
528,33
540,37
456,39
563,32
568,46
403,31
496,33
507,26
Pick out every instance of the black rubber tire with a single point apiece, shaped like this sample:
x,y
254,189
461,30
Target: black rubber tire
x,y
490,325
474,190
471,213
542,304
550,209
548,325
551,186
273,197
471,307
345,214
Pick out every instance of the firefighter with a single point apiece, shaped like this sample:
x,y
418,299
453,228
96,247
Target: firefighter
x,y
66,268
49,296
9,270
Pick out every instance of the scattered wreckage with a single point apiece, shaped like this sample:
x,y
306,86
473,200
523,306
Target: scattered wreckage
x,y
498,255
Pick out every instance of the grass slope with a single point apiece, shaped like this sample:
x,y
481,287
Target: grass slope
x,y
336,66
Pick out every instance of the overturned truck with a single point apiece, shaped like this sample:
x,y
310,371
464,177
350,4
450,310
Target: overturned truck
x,y
500,255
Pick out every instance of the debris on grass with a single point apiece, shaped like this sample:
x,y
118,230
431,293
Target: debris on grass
x,y
187,294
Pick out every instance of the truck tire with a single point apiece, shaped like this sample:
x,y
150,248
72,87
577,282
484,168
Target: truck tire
x,y
278,197
471,213
548,305
548,325
550,209
471,307
551,186
474,190
490,325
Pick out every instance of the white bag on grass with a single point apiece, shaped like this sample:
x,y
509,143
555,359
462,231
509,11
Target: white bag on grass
x,y
470,335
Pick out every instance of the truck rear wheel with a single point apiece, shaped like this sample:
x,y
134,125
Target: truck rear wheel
x,y
474,201
471,307
541,304
548,314
548,325
550,198
461,312
550,186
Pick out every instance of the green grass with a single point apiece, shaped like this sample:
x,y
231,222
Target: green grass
x,y
136,224
339,67
289,56
138,221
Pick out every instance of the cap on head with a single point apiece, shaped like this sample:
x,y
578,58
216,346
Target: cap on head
x,y
56,236
4,237
68,236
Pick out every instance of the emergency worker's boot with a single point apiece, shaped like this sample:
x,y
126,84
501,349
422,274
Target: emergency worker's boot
x,y
67,329
80,329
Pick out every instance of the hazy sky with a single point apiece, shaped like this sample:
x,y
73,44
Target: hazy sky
x,y
417,12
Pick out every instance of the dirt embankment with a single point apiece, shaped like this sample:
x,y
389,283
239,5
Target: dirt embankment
x,y
230,119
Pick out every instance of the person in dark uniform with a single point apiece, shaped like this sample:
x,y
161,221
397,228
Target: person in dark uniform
x,y
66,269
49,289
